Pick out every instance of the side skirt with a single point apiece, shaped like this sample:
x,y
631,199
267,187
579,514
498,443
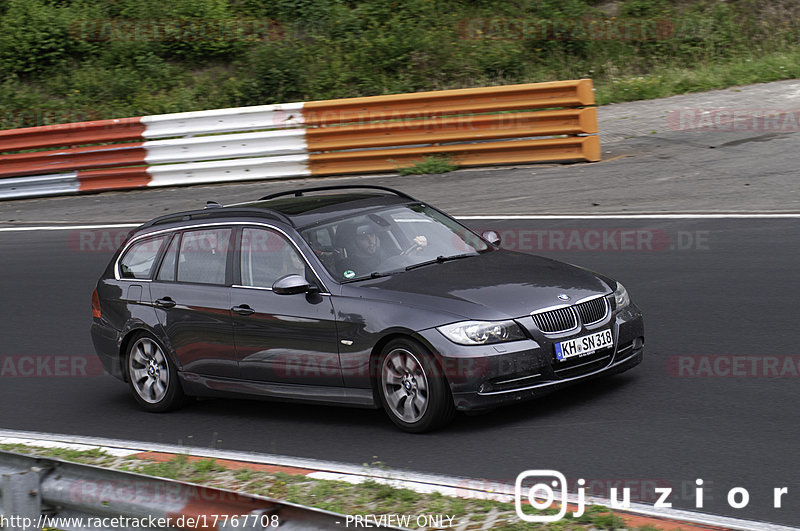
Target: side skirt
x,y
201,385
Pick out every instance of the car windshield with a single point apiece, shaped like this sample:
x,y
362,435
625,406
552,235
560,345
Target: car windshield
x,y
394,239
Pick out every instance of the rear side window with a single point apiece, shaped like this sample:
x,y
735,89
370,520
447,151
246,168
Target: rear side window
x,y
203,256
138,260
167,270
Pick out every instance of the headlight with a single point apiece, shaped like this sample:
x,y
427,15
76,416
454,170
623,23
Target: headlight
x,y
482,332
621,298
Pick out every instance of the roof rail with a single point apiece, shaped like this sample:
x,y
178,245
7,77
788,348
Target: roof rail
x,y
300,192
218,212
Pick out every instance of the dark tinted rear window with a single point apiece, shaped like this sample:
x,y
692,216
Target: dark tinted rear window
x,y
203,256
139,258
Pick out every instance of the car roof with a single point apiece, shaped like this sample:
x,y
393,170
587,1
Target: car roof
x,y
295,207
312,210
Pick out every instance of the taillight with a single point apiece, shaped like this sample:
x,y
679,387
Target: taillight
x,y
96,305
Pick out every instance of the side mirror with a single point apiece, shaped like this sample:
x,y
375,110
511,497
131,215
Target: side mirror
x,y
291,285
492,237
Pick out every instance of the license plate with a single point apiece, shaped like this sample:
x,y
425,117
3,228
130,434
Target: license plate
x,y
585,345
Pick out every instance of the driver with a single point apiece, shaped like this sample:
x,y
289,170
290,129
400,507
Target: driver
x,y
367,255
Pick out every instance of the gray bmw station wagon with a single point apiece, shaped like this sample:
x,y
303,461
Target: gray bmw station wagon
x,y
354,295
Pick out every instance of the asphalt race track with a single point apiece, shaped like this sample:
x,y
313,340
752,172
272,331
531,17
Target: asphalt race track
x,y
716,397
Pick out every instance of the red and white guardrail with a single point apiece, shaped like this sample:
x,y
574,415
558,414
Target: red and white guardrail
x,y
492,125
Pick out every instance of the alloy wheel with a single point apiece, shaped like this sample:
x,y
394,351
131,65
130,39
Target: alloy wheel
x,y
149,370
405,385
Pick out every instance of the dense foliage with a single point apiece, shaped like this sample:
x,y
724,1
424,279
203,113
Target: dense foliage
x,y
73,60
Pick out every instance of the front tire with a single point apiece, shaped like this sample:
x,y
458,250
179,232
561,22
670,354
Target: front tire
x,y
152,377
412,388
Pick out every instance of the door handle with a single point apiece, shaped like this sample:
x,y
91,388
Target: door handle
x,y
243,310
166,302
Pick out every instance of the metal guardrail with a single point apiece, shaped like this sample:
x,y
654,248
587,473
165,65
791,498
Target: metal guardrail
x,y
492,125
37,492
38,185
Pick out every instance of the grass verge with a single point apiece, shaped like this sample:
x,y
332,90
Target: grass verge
x,y
367,498
667,81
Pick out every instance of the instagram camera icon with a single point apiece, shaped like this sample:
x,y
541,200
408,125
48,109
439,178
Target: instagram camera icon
x,y
546,482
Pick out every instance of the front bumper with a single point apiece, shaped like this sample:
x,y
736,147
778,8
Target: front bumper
x,y
487,376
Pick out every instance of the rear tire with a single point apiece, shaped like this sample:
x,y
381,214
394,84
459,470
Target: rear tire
x,y
152,377
412,388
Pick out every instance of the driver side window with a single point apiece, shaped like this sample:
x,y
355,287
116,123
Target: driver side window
x,y
266,256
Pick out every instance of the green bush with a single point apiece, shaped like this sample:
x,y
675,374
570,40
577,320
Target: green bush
x,y
34,37
115,58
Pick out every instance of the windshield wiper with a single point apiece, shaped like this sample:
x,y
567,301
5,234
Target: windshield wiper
x,y
374,274
440,260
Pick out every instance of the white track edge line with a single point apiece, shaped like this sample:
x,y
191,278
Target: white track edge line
x,y
731,215
471,488
69,227
744,215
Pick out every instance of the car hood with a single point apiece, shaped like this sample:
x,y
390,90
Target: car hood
x,y
495,285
